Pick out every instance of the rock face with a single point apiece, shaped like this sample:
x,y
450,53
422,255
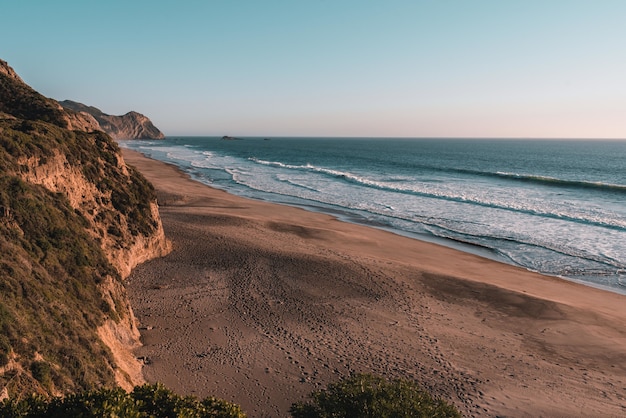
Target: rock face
x,y
132,125
74,221
7,71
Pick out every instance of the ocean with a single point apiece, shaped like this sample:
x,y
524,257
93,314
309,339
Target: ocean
x,y
557,207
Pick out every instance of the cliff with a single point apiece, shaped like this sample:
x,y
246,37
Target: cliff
x,y
132,125
74,221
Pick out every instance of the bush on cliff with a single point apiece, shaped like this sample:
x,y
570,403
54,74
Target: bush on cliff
x,y
368,396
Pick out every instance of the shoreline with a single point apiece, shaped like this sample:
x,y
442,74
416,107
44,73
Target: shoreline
x,y
613,283
261,303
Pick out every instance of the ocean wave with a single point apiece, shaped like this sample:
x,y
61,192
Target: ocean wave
x,y
536,179
297,184
525,178
599,219
448,229
552,181
563,261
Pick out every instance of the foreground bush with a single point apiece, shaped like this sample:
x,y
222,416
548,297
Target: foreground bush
x,y
149,401
360,396
367,396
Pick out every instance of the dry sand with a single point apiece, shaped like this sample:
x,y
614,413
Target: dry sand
x,y
261,304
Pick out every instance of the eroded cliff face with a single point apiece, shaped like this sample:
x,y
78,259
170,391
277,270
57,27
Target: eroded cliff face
x,y
112,229
74,221
117,233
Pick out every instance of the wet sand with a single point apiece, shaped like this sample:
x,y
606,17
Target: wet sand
x,y
261,304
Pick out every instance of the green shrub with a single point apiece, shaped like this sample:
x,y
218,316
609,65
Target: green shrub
x,y
368,396
158,401
32,406
147,401
42,372
97,403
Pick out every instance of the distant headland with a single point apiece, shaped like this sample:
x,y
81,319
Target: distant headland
x,y
131,125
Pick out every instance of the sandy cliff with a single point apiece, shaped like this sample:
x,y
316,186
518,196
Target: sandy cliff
x,y
60,157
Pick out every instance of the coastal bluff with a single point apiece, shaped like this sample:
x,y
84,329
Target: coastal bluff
x,y
74,221
131,125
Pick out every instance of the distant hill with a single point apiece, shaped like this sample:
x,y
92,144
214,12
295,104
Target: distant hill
x,y
132,125
74,220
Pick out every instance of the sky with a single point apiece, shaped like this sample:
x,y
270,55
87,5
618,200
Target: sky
x,y
388,68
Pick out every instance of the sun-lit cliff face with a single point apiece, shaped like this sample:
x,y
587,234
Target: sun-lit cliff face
x,y
74,221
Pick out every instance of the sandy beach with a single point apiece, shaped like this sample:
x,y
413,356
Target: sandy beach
x,y
260,304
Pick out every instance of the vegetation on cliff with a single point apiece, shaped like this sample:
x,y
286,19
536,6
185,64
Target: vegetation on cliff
x,y
21,101
50,302
52,269
71,215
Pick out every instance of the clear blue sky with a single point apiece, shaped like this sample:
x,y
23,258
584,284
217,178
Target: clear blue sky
x,y
431,68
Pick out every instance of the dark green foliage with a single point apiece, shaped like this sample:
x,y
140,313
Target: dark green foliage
x,y
368,396
149,401
49,298
33,406
41,371
21,101
158,401
5,345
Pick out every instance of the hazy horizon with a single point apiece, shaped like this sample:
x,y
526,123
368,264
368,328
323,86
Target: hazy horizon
x,y
405,69
408,138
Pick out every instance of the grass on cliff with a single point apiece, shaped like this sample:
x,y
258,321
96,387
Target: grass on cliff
x,y
51,266
21,101
95,154
50,303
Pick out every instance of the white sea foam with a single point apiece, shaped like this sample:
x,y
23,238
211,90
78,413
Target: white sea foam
x,y
562,225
